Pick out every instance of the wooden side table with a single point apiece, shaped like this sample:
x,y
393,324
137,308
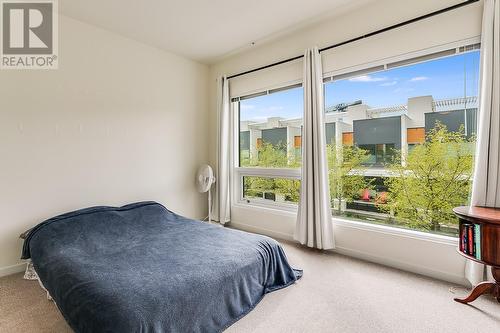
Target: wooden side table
x,y
488,220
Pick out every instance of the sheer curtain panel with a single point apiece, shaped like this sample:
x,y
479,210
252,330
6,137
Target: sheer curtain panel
x,y
314,221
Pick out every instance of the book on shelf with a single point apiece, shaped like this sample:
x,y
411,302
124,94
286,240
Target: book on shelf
x,y
463,239
470,230
477,240
470,240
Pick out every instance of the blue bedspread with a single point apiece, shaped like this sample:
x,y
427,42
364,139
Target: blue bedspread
x,y
143,268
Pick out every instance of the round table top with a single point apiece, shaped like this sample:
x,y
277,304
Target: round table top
x,y
484,214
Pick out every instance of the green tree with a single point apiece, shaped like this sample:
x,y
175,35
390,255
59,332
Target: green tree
x,y
434,178
256,186
273,156
289,188
345,172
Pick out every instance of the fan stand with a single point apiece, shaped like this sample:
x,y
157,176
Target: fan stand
x,y
210,205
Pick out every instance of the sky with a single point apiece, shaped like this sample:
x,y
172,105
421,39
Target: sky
x,y
442,78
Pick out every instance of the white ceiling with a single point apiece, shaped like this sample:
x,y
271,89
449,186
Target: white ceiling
x,y
203,30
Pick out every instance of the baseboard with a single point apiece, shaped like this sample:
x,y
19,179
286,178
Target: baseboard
x,y
9,270
421,270
417,269
261,231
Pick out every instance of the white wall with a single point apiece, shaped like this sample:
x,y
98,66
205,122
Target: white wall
x,y
433,256
118,122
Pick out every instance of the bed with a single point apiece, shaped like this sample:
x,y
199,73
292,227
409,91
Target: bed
x,y
143,268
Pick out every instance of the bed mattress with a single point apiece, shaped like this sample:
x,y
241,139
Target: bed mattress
x,y
143,268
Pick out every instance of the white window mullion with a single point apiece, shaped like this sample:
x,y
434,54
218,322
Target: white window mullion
x,y
269,172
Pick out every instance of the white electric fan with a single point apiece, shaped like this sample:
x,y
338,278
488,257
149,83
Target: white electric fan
x,y
204,179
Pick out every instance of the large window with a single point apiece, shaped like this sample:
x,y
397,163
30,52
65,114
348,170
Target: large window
x,y
270,129
270,140
411,130
400,141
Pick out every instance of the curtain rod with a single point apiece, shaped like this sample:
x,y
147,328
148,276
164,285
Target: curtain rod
x,y
395,26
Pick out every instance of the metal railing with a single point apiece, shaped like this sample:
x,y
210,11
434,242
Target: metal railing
x,y
468,102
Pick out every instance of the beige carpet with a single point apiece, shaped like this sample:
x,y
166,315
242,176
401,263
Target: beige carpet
x,y
336,294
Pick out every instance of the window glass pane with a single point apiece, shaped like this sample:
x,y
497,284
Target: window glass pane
x,y
405,142
271,129
280,190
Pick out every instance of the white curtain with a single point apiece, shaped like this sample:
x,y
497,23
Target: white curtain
x,y
314,221
486,185
223,151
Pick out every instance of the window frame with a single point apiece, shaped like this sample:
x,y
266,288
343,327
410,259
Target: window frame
x,y
237,172
266,173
